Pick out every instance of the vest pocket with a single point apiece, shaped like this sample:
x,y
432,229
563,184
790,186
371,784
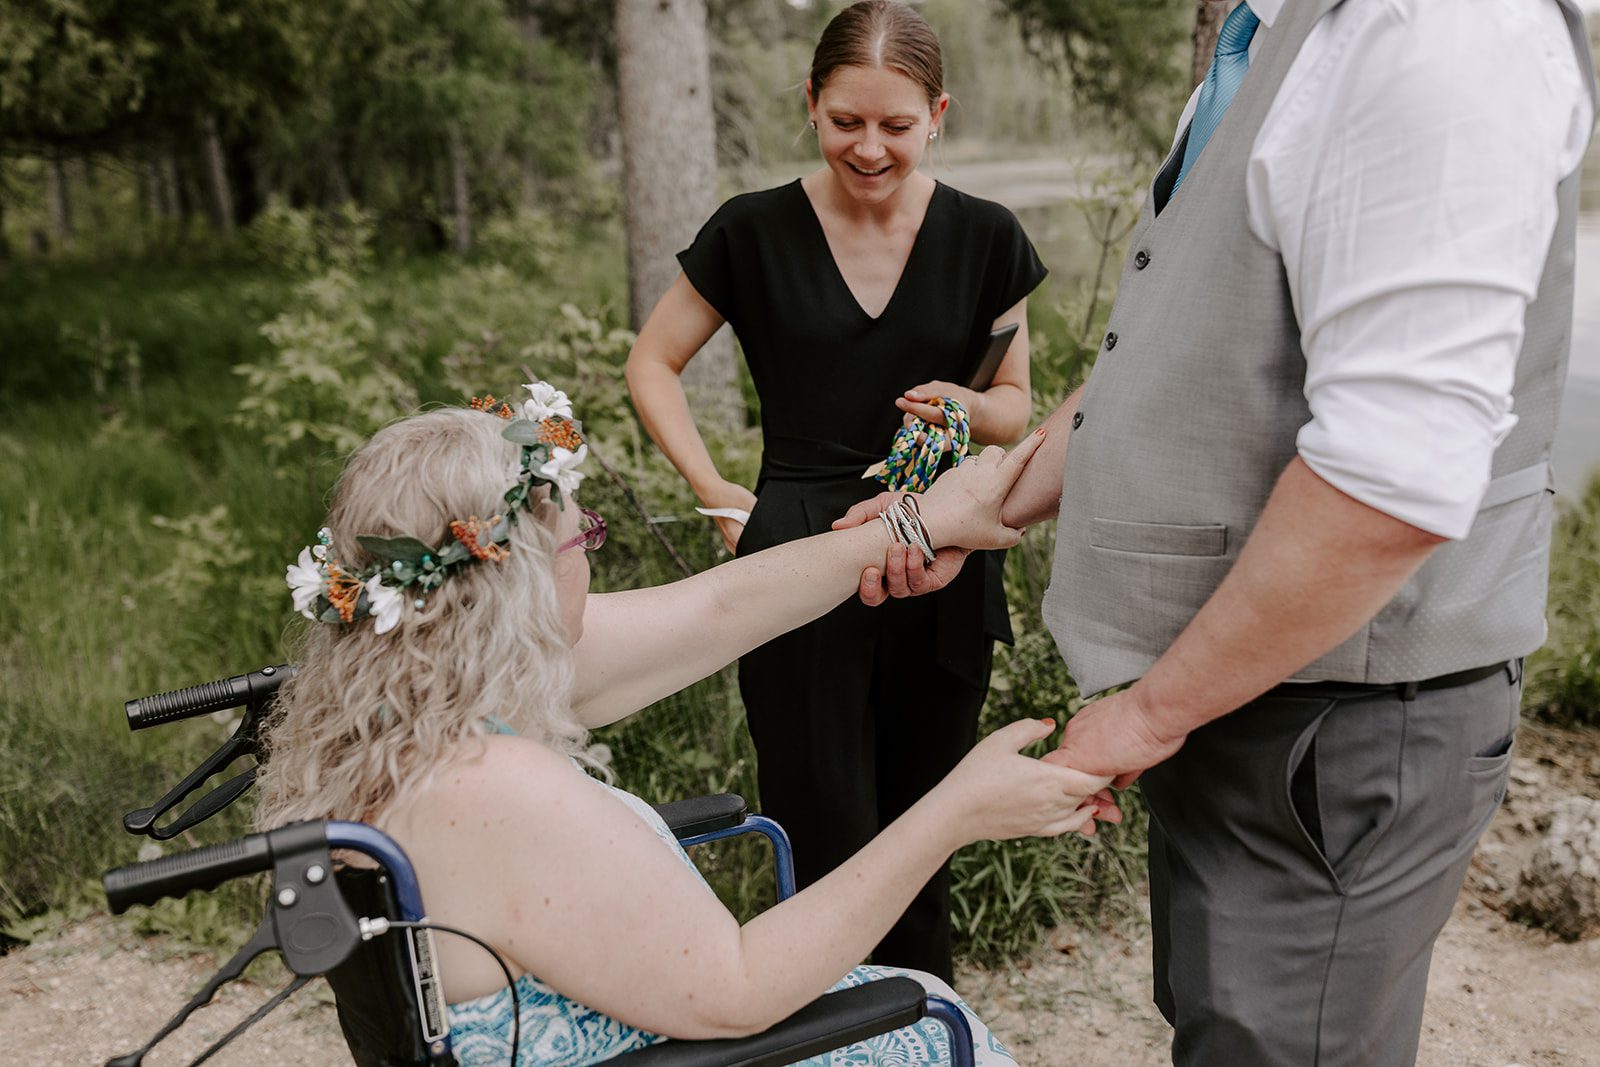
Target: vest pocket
x,y
1159,538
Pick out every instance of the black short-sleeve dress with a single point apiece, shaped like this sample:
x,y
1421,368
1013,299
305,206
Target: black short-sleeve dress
x,y
824,701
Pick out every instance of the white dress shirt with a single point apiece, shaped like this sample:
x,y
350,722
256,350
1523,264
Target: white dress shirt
x,y
1407,175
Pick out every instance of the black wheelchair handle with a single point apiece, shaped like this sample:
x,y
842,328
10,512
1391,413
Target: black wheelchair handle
x,y
175,875
224,693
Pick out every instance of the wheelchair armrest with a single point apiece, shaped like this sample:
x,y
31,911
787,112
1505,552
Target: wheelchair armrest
x,y
703,815
829,1022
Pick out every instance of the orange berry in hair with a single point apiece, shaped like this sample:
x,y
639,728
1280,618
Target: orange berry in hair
x,y
561,433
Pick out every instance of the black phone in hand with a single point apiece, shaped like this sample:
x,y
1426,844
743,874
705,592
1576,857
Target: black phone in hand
x,y
993,354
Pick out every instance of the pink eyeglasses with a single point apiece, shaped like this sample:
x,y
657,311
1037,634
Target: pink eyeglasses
x,y
591,532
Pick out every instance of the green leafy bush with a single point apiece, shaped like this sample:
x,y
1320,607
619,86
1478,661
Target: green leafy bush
x,y
527,241
331,384
308,241
1563,677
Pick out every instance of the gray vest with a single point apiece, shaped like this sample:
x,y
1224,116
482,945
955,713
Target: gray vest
x,y
1191,414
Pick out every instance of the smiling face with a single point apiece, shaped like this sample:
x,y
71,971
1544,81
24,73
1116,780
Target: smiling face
x,y
872,128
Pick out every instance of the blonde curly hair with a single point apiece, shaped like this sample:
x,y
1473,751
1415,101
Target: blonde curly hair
x,y
371,718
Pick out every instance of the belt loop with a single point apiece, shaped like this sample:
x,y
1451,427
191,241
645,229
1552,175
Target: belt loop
x,y
1514,670
1408,691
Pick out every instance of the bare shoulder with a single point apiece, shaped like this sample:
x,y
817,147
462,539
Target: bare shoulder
x,y
511,780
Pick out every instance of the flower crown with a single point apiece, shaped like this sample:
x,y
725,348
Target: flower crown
x,y
552,450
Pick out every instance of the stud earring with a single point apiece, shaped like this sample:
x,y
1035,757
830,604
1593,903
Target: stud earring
x,y
813,125
932,134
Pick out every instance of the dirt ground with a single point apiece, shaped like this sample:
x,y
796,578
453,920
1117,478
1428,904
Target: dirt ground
x,y
1499,995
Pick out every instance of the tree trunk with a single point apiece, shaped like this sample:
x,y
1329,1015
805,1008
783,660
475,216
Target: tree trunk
x,y
1208,16
84,169
190,187
458,189
59,202
216,168
338,182
669,164
150,188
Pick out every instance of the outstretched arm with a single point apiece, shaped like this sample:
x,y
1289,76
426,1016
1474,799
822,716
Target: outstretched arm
x,y
642,645
592,902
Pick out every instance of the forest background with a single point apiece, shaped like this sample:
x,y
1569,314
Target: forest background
x,y
237,238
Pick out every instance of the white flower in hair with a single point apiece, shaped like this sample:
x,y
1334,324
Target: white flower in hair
x,y
562,468
305,581
384,603
545,400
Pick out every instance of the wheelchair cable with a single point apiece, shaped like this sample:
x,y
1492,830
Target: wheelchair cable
x,y
380,926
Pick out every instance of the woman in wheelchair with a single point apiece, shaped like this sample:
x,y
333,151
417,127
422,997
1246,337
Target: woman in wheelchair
x,y
448,697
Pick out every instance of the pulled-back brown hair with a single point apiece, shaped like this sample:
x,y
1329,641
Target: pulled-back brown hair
x,y
880,33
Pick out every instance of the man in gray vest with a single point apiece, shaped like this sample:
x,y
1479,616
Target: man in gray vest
x,y
1306,503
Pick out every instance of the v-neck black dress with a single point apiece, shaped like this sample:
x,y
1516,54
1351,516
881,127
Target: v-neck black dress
x,y
827,373
835,762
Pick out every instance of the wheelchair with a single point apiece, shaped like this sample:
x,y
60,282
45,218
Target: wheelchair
x,y
364,929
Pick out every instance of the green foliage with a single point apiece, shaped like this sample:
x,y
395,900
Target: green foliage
x,y
1563,677
62,72
1125,58
527,241
330,385
306,241
103,356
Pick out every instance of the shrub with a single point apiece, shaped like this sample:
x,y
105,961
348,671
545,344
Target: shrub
x,y
331,384
1563,677
528,242
308,241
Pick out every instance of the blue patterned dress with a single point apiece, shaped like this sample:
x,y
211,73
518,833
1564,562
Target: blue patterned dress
x,y
560,1032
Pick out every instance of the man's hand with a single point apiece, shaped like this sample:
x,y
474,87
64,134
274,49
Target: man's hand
x,y
1114,736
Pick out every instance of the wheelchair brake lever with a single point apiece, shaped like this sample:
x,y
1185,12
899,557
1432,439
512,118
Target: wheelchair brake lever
x,y
243,742
265,937
308,923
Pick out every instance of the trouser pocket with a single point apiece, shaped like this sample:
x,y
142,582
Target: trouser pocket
x,y
1342,782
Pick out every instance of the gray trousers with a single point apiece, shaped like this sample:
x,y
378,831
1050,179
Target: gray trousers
x,y
1305,852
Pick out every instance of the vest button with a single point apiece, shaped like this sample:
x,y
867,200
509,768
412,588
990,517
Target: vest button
x,y
1111,340
1141,259
1077,419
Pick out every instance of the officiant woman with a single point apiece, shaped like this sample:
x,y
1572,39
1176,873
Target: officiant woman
x,y
860,294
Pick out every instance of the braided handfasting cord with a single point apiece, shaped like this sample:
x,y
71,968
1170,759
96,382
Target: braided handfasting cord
x,y
912,463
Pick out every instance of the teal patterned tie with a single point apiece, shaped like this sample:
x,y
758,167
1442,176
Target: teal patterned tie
x,y
1228,68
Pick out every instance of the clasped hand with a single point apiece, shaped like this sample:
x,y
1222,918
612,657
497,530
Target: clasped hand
x,y
962,507
998,793
962,510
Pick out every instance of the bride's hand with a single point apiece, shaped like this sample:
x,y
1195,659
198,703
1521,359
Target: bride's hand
x,y
963,506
